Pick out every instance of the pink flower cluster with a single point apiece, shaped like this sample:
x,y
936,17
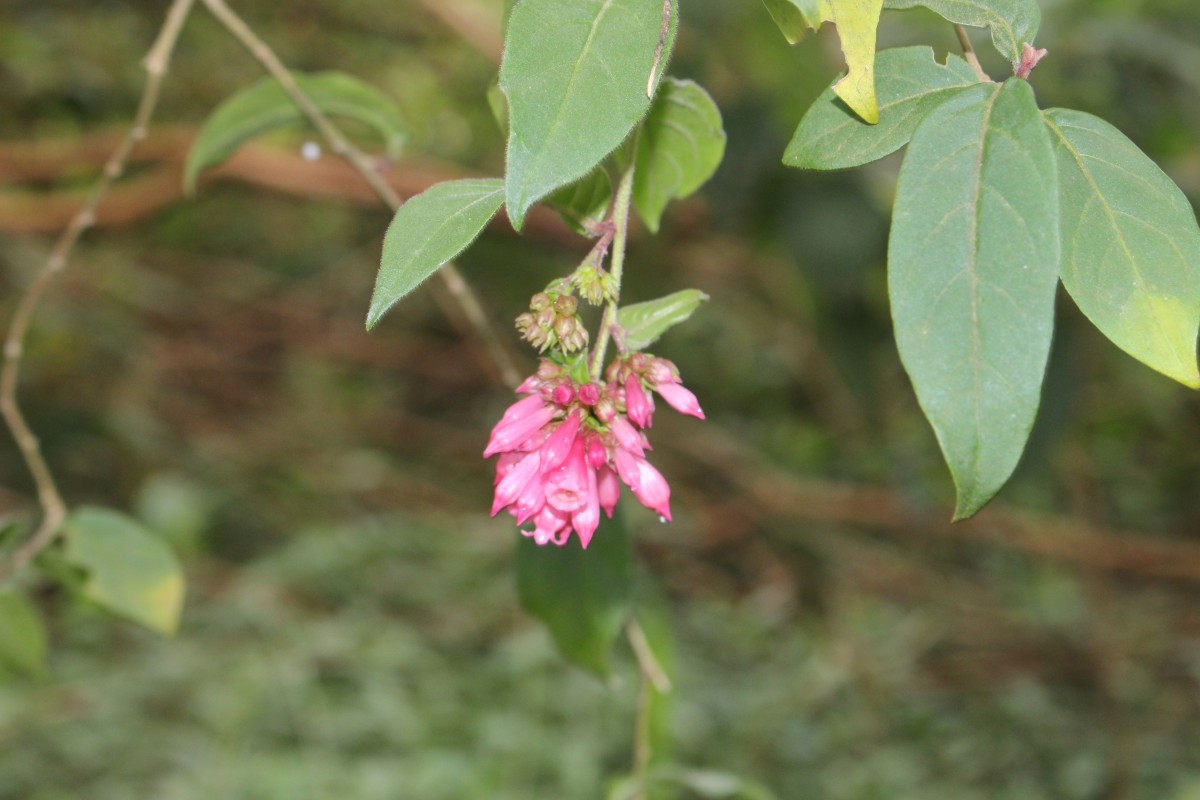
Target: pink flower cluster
x,y
566,448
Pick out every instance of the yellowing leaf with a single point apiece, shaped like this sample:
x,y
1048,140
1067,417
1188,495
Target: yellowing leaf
x,y
856,21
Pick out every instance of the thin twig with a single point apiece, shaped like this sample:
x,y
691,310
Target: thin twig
x,y
969,53
653,679
620,221
54,509
365,166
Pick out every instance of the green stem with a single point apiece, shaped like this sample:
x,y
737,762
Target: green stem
x,y
620,220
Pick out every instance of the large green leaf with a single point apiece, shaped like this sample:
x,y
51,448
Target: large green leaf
x,y
856,21
1130,244
643,323
578,77
265,106
681,146
910,83
22,635
972,272
130,571
581,596
1012,22
429,230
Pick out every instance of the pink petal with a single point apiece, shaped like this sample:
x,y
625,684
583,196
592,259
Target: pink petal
x,y
637,404
558,446
549,523
511,434
531,500
652,490
567,486
680,399
587,519
511,486
608,490
627,467
627,436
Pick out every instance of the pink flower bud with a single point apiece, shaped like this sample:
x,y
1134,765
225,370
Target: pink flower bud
x,y
659,370
608,489
563,394
597,453
680,399
512,431
637,404
627,435
589,394
587,519
606,409
513,483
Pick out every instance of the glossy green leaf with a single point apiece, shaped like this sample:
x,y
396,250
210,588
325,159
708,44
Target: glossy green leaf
x,y
972,274
130,571
584,203
1012,22
578,77
681,145
909,82
22,635
856,21
582,596
265,106
1130,244
429,230
643,323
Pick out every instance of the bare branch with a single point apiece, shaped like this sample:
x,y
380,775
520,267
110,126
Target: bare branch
x,y
54,509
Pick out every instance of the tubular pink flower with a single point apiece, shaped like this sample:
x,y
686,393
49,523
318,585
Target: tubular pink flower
x,y
567,486
522,408
597,453
589,394
627,436
637,404
608,489
512,484
680,399
551,525
512,433
652,489
558,445
587,519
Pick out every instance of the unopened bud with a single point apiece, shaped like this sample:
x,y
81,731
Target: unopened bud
x,y
605,409
589,394
563,394
566,305
540,301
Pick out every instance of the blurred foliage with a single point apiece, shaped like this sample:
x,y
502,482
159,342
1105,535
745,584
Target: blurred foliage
x,y
352,627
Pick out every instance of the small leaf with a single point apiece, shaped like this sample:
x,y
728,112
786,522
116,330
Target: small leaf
x,y
575,73
643,323
130,571
1012,22
1131,246
582,596
22,635
681,145
910,84
265,106
856,21
429,230
972,273
584,203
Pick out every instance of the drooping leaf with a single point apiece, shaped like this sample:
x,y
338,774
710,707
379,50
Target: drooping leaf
x,y
681,145
856,21
265,106
1012,22
972,273
130,571
643,323
22,635
1130,244
910,84
582,596
583,204
578,74
429,230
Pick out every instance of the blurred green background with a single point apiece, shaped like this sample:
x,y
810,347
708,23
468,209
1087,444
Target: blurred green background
x,y
352,628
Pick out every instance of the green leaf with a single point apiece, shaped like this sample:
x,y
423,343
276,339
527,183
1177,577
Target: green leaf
x,y
265,106
681,145
856,21
129,570
1012,22
910,84
643,323
584,203
972,274
22,635
582,596
1130,244
429,230
578,77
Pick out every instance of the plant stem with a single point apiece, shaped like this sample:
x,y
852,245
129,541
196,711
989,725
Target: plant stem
x,y
620,221
969,53
449,274
653,679
54,508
